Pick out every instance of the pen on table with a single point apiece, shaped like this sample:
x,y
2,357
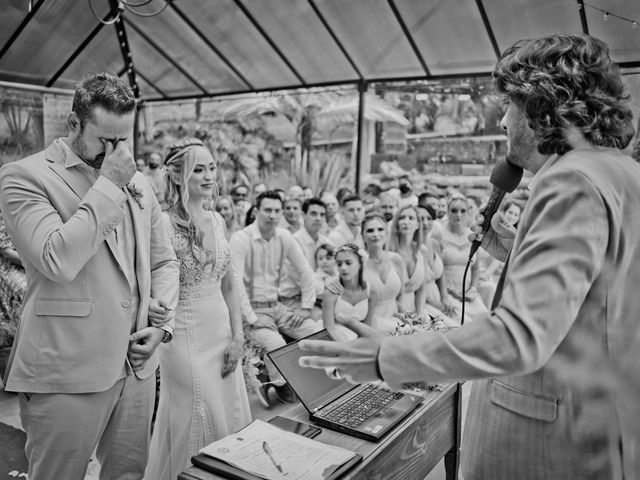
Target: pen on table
x,y
269,452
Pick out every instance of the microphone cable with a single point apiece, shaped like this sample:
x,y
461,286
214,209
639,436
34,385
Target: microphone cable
x,y
464,289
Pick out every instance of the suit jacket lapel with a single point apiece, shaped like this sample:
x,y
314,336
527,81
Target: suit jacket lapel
x,y
141,267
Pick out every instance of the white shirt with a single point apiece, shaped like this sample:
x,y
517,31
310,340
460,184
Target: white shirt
x,y
260,263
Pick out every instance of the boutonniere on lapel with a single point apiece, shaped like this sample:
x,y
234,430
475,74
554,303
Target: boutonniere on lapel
x,y
136,193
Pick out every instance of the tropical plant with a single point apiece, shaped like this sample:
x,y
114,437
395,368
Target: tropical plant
x,y
299,109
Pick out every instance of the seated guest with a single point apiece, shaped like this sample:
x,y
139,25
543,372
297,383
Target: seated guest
x,y
203,395
441,209
355,302
309,238
250,216
348,231
431,200
333,212
435,281
370,197
295,191
241,201
383,272
307,192
225,207
405,238
455,244
157,177
388,205
259,253
325,272
343,193
491,268
292,218
257,189
407,197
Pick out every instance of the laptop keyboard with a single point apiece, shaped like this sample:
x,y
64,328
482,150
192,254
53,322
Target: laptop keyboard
x,y
361,407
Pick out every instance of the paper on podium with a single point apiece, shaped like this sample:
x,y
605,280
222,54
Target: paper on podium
x,y
297,456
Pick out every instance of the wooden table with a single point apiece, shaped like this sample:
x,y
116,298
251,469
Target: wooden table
x,y
410,451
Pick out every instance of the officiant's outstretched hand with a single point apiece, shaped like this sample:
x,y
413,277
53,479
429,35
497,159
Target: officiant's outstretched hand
x,y
355,361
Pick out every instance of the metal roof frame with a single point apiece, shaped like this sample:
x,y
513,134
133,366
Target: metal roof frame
x,y
304,83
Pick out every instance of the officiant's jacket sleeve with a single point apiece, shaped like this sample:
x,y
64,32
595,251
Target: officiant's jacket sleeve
x,y
558,254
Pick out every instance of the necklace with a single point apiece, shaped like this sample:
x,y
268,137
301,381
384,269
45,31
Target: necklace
x,y
376,260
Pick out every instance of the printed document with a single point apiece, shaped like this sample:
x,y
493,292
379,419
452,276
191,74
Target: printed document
x,y
273,454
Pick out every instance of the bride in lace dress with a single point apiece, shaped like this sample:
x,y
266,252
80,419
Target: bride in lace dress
x,y
202,391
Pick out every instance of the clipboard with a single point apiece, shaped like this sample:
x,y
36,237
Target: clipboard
x,y
225,470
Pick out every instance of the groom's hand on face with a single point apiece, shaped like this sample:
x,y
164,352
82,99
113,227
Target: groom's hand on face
x,y
118,165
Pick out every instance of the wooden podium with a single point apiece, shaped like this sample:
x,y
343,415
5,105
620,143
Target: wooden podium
x,y
410,451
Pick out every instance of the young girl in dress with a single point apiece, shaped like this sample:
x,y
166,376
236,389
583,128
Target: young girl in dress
x,y
325,271
355,303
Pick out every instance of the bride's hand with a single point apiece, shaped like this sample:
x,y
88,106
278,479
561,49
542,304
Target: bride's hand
x,y
232,355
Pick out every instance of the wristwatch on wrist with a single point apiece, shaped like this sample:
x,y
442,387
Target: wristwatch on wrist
x,y
168,336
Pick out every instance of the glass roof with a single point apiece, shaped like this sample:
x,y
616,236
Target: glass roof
x,y
199,48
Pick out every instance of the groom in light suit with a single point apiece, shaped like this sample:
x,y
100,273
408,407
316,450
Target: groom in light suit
x,y
89,231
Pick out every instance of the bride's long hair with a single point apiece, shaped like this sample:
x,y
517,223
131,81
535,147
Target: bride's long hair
x,y
180,162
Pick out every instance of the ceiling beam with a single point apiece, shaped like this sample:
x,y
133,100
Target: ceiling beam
x,y
633,64
407,34
488,28
335,38
167,57
127,55
14,36
211,46
269,40
154,86
77,51
338,83
583,17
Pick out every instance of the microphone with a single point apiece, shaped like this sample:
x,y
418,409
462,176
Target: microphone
x,y
505,177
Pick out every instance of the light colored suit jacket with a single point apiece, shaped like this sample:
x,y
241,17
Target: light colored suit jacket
x,y
574,268
77,319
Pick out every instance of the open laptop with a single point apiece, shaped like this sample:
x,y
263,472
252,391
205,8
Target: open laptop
x,y
364,411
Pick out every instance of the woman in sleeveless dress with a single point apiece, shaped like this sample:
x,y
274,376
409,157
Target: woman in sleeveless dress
x,y
202,391
455,245
435,281
355,303
405,238
383,272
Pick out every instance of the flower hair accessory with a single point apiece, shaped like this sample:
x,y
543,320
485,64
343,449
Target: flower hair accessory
x,y
350,247
136,193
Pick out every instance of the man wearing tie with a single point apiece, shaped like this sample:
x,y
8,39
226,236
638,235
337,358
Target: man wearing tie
x,y
89,231
568,292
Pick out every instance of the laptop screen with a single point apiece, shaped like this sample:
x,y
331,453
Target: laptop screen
x,y
313,386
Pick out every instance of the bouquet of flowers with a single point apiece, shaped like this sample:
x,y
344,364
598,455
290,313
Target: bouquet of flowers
x,y
252,362
410,323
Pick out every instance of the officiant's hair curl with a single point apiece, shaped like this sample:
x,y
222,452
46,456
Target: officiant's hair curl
x,y
560,80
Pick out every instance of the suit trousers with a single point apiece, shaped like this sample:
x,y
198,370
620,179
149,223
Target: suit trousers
x,y
63,429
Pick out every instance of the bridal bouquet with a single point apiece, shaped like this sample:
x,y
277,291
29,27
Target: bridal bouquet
x,y
252,362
